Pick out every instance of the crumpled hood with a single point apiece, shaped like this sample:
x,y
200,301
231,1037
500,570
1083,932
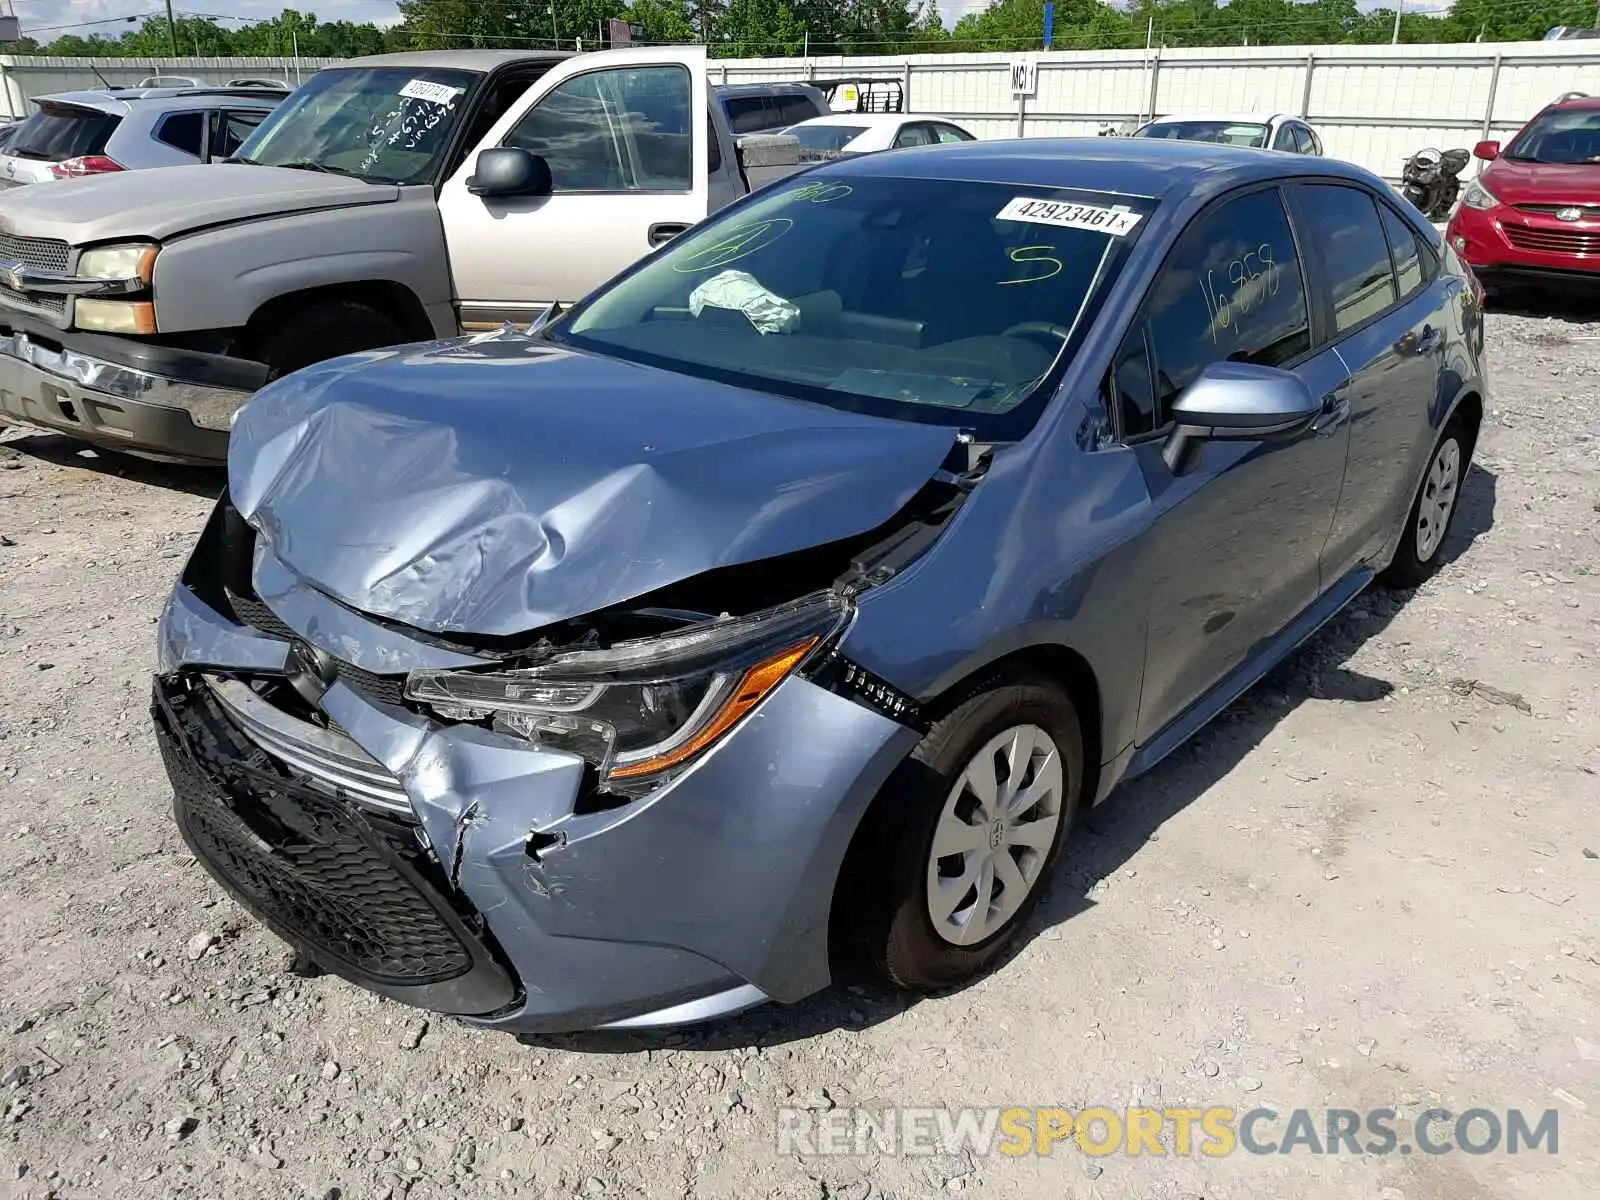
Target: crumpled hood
x,y
162,201
496,484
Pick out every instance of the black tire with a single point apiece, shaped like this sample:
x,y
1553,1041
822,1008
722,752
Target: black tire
x,y
325,330
893,932
1410,567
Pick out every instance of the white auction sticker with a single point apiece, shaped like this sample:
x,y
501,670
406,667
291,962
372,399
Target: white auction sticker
x,y
433,93
1118,222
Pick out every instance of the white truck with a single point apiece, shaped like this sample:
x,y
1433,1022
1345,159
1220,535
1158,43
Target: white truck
x,y
391,199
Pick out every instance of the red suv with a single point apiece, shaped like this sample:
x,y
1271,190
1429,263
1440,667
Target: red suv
x,y
1533,214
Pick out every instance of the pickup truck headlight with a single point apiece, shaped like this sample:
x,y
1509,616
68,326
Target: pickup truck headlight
x,y
1475,195
119,262
639,709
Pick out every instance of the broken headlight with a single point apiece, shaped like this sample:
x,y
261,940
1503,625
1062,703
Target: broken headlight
x,y
640,708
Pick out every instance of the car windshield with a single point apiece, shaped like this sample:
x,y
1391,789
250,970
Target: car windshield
x,y
1228,133
1563,136
825,137
940,301
387,125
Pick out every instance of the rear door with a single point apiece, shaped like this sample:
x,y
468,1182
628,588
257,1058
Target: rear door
x,y
624,133
1390,317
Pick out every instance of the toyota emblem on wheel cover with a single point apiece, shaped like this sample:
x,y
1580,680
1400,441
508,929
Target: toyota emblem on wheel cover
x,y
1569,214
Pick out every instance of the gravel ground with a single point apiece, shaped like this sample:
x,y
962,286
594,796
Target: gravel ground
x,y
1372,883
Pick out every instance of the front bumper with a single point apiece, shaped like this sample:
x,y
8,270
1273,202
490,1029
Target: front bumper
x,y
1505,244
121,394
709,895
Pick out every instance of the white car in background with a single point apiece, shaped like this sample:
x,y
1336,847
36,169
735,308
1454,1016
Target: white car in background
x,y
1280,131
863,133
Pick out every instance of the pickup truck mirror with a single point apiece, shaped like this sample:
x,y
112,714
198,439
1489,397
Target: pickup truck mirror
x,y
509,171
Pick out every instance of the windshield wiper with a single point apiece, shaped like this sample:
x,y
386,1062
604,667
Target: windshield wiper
x,y
306,164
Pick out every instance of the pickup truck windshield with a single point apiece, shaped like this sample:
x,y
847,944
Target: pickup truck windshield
x,y
387,125
940,301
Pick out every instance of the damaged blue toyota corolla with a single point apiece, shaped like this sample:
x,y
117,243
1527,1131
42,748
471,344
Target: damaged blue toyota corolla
x,y
780,604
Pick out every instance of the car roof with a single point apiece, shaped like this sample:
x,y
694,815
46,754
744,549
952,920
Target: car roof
x,y
482,61
1153,167
1241,118
762,89
121,102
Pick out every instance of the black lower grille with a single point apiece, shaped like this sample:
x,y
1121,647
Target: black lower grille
x,y
257,615
353,890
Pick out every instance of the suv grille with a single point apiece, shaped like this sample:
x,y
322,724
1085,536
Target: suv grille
x,y
353,889
1554,241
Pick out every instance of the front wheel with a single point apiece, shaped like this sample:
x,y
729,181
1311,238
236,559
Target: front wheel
x,y
966,835
1428,523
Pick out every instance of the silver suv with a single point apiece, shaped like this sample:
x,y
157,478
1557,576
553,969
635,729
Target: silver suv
x,y
119,129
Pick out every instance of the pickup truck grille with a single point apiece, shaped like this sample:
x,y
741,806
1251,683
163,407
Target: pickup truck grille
x,y
46,254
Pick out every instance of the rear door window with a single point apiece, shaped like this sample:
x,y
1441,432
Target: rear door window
x,y
748,114
1231,291
1285,138
1410,258
61,131
795,108
917,134
949,133
229,128
1355,252
183,131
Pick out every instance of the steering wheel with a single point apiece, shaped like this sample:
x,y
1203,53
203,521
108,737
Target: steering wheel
x,y
1036,328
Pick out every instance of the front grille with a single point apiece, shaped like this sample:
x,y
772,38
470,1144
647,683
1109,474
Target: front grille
x,y
349,888
40,302
328,758
385,689
1554,241
1590,211
46,254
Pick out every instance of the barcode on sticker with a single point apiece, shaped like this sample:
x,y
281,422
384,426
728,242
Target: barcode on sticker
x,y
1118,222
433,93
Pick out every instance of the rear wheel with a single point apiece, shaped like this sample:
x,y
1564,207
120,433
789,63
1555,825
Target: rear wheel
x,y
966,834
1428,524
324,330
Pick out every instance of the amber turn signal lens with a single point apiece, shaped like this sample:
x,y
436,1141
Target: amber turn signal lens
x,y
752,688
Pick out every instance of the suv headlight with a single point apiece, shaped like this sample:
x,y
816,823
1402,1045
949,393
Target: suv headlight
x,y
1477,196
639,709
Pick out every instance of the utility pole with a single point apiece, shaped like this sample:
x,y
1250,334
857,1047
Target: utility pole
x,y
172,30
1399,7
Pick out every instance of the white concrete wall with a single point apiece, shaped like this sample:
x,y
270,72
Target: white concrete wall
x,y
1374,105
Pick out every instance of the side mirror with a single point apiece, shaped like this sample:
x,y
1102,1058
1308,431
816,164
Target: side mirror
x,y
509,171
1238,401
1488,151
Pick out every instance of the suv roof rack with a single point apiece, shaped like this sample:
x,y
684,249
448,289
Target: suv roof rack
x,y
1565,96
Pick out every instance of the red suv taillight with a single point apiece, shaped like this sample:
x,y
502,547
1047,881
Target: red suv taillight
x,y
87,164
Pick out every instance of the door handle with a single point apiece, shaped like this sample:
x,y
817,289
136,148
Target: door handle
x,y
1430,340
663,232
1335,412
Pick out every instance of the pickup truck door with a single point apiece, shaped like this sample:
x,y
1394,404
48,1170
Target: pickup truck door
x,y
625,134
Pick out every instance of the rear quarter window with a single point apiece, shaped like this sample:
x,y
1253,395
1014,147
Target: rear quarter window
x,y
182,131
61,131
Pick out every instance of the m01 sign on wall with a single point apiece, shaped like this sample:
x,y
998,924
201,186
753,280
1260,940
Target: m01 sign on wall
x,y
1024,76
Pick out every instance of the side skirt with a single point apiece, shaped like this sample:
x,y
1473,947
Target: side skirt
x,y
1268,655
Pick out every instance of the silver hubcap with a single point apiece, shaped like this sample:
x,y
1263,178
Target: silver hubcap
x,y
994,833
1438,499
